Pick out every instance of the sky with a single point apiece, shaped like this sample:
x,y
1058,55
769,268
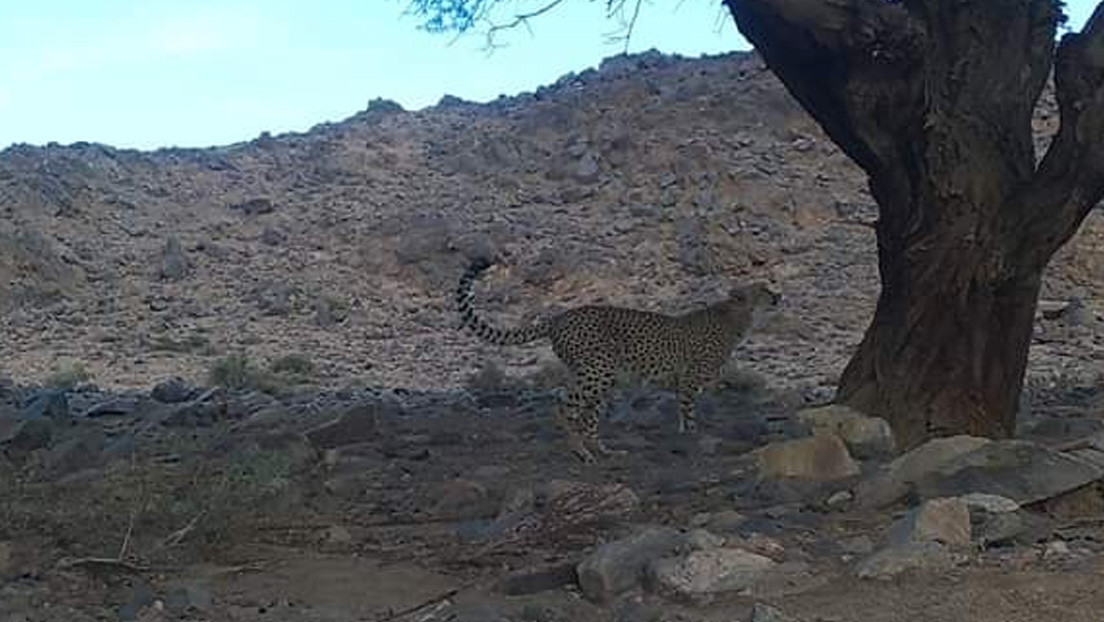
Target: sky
x,y
193,73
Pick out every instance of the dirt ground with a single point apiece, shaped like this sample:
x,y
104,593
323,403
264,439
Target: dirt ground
x,y
254,512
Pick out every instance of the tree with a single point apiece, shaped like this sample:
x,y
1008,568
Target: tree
x,y
934,99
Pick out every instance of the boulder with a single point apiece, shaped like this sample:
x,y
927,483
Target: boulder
x,y
820,458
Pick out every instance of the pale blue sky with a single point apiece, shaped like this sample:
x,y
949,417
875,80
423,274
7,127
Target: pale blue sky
x,y
152,73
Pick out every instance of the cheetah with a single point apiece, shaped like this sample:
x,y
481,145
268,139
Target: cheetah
x,y
602,344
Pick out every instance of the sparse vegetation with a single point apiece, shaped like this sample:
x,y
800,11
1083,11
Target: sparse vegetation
x,y
294,365
742,380
488,378
68,377
192,343
239,371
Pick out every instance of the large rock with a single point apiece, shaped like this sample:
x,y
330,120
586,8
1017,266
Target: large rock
x,y
865,436
898,478
819,458
895,560
618,566
1019,470
708,572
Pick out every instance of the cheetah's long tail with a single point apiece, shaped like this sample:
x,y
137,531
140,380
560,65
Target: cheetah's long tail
x,y
468,317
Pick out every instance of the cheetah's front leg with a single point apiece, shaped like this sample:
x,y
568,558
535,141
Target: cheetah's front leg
x,y
687,421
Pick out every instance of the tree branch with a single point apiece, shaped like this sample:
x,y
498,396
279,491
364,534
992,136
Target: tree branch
x,y
617,7
1069,181
826,53
520,19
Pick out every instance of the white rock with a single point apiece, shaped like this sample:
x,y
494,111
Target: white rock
x,y
704,573
993,504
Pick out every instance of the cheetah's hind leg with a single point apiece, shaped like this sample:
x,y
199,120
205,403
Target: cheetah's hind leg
x,y
579,416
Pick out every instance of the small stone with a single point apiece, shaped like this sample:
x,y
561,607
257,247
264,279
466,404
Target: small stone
x,y
1056,548
766,546
337,534
700,540
819,458
991,504
174,263
587,170
254,206
273,236
839,499
721,523
946,521
6,564
618,566
172,391
766,613
706,573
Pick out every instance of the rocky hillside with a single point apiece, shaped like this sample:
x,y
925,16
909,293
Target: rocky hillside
x,y
653,181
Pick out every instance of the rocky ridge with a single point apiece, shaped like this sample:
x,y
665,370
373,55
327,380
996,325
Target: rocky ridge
x,y
651,181
234,390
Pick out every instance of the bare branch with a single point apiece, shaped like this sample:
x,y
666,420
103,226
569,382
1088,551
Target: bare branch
x,y
1069,181
616,8
520,19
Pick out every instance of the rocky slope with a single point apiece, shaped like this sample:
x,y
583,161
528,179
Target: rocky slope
x,y
652,181
420,483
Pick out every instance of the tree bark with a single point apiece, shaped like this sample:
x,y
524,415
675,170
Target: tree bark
x,y
934,100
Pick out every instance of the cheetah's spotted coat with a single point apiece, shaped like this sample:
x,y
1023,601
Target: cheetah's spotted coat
x,y
601,344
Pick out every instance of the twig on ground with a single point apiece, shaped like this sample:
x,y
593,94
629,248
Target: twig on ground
x,y
178,536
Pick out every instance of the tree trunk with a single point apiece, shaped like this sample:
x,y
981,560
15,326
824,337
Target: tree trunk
x,y
944,355
934,100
